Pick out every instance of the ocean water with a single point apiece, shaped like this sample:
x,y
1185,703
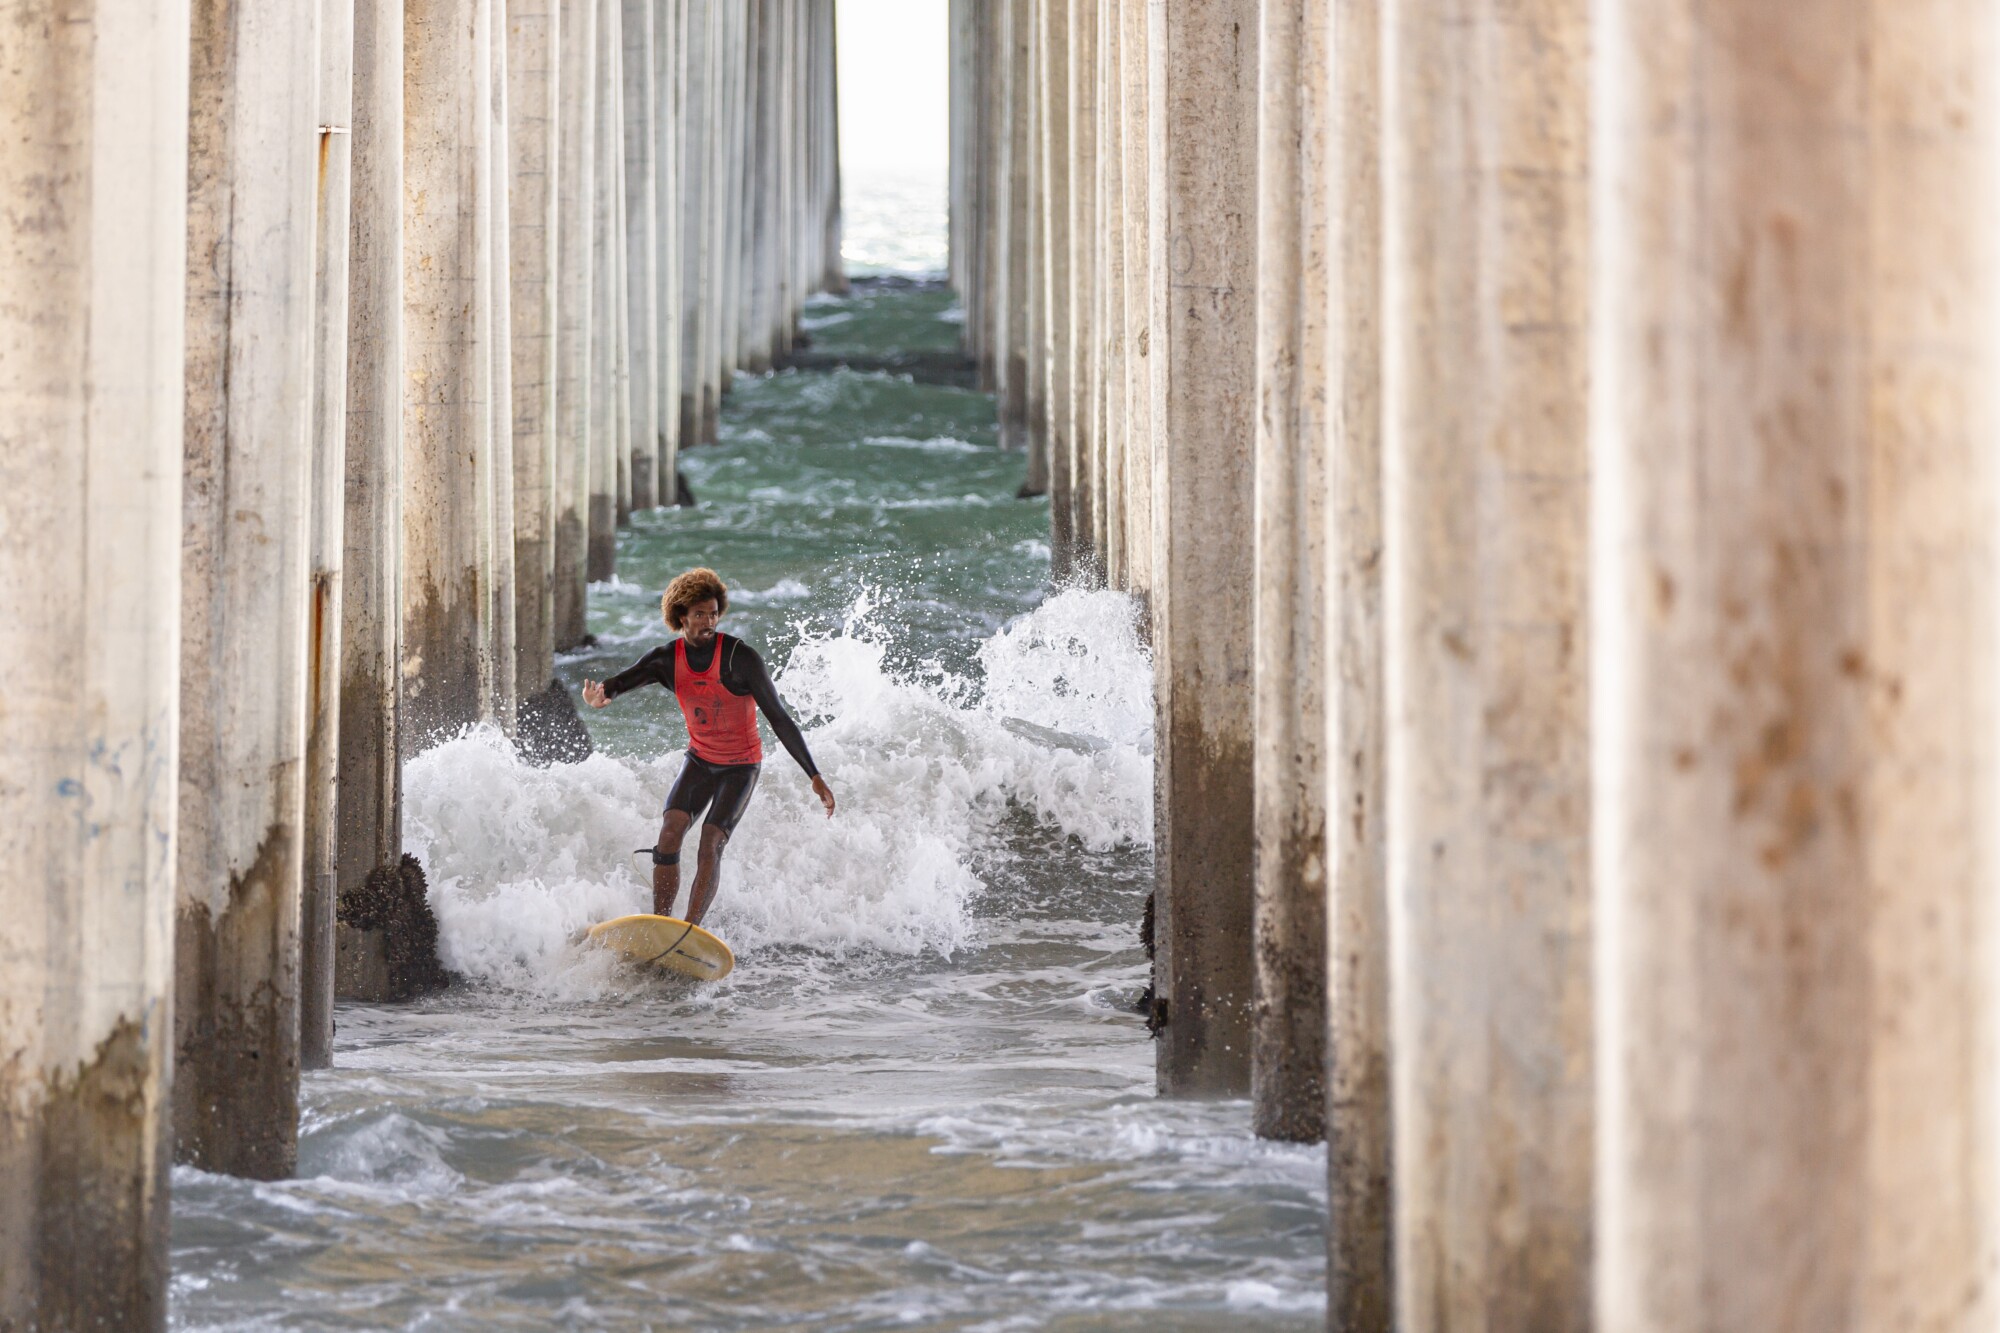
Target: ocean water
x,y
894,222
922,1100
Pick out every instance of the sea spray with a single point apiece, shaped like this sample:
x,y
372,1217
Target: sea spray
x,y
1054,719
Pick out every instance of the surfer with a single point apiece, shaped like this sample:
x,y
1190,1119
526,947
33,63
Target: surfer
x,y
720,682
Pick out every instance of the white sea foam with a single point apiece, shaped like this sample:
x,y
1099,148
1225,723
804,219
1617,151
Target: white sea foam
x,y
938,444
522,858
784,590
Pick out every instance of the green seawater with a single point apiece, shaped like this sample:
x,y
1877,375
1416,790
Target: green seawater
x,y
922,1101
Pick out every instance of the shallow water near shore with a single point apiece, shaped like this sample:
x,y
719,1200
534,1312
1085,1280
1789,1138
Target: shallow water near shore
x,y
921,1101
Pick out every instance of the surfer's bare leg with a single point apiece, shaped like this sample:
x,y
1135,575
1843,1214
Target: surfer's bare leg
x,y
707,873
667,878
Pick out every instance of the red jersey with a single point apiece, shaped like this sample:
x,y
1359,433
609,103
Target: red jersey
x,y
722,727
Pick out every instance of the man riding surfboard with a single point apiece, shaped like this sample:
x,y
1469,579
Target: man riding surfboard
x,y
720,682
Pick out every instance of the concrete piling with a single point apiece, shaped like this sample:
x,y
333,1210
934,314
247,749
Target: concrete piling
x,y
497,607
760,108
696,234
1204,141
606,212
576,191
533,170
448,368
1108,295
93,283
1360,1236
669,87
618,260
1132,320
1294,301
1049,362
1037,294
1011,311
1485,639
1793,426
1076,307
639,212
714,184
332,241
369,797
831,273
731,175
253,147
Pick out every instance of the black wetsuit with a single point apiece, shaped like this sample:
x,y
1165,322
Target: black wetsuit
x,y
724,790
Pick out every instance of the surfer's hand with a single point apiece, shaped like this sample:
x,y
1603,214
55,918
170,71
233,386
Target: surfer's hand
x,y
825,794
593,694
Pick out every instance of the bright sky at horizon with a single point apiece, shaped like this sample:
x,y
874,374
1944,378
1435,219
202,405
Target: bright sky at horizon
x,y
894,86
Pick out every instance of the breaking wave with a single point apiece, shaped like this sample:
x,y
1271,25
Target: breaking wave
x,y
1054,720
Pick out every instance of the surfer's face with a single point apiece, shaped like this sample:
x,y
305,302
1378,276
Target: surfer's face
x,y
698,621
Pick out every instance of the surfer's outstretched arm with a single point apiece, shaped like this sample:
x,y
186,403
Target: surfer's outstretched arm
x,y
655,668
750,673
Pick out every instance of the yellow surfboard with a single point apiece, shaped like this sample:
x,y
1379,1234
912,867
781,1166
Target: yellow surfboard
x,y
665,941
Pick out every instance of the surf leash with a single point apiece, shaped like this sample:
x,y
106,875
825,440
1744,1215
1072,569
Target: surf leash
x,y
671,947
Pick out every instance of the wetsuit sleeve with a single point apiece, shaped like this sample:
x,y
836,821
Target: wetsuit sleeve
x,y
749,676
655,668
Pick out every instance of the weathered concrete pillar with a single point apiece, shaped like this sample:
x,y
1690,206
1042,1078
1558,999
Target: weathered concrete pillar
x,y
961,164
622,369
640,213
992,204
697,230
332,240
252,162
769,226
778,143
715,192
370,808
534,168
1051,332
1360,1237
1079,301
1288,1040
758,166
576,193
498,473
669,82
1108,302
834,278
1486,641
448,366
788,299
1103,345
743,200
807,263
93,281
606,211
733,142
1039,219
1793,436
968,218
1203,124
1134,320
795,279
1016,121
